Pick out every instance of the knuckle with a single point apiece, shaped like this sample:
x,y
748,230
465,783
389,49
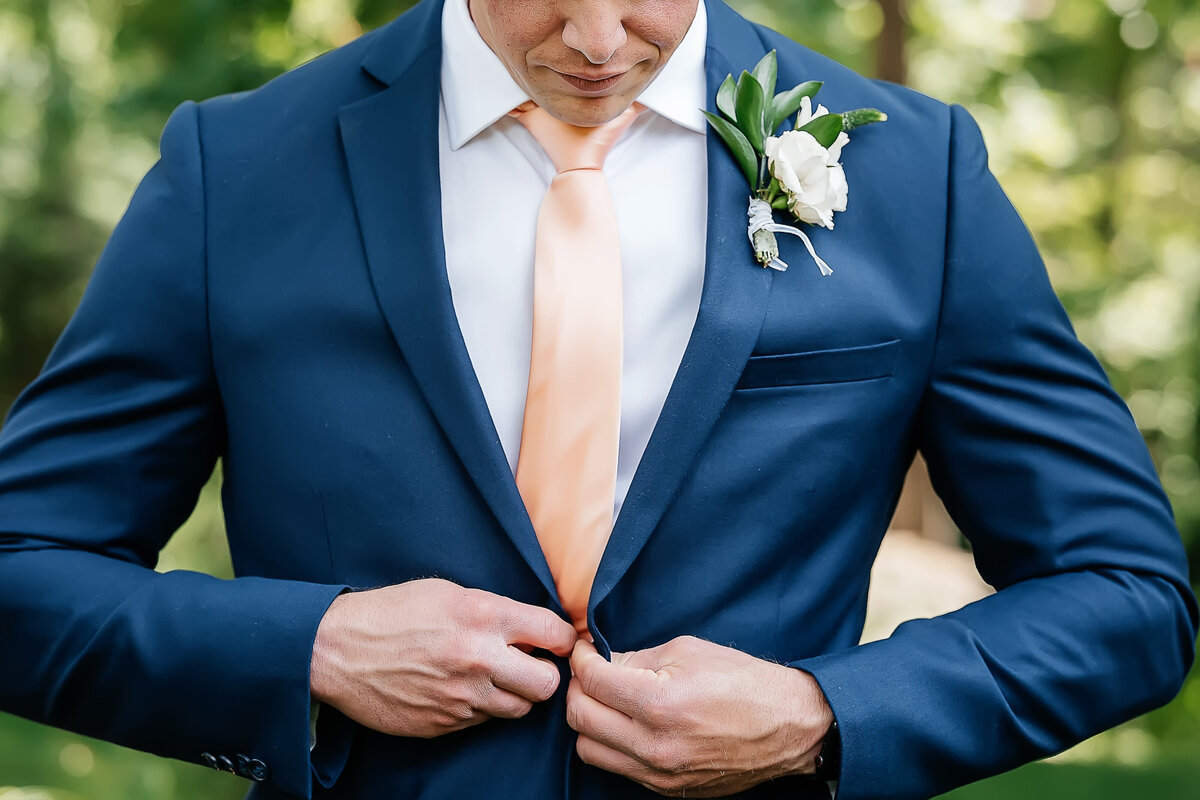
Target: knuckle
x,y
505,704
432,590
666,756
547,686
519,708
681,645
587,679
458,694
657,712
433,584
575,716
656,755
460,712
475,654
583,749
469,657
548,627
479,609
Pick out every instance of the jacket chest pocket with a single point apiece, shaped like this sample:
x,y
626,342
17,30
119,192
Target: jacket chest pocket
x,y
841,365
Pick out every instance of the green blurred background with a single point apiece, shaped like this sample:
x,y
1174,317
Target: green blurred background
x,y
1091,109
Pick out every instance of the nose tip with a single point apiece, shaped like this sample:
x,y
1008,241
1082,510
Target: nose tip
x,y
597,41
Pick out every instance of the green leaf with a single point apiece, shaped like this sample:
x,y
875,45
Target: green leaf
x,y
750,109
861,116
784,104
737,143
780,203
765,72
727,98
824,129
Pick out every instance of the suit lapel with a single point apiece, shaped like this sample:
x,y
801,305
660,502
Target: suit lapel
x,y
391,147
733,303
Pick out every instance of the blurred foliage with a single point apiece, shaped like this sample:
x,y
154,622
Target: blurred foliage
x,y
1091,111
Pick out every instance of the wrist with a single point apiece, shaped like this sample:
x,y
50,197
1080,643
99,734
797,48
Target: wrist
x,y
811,720
325,669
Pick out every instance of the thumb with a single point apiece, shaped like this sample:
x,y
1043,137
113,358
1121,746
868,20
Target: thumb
x,y
614,684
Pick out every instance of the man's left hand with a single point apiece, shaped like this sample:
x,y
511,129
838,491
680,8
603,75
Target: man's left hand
x,y
694,718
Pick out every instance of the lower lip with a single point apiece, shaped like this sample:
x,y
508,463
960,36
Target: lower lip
x,y
592,87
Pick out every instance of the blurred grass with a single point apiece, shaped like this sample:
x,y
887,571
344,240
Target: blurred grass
x,y
42,763
55,765
1162,781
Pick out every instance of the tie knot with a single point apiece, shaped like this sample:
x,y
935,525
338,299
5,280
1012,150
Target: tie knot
x,y
573,147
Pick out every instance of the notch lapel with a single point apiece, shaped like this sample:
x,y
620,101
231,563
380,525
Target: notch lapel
x,y
733,302
391,145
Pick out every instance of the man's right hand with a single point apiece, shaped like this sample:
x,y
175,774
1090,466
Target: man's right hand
x,y
428,657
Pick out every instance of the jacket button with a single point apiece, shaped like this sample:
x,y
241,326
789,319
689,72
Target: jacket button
x,y
210,760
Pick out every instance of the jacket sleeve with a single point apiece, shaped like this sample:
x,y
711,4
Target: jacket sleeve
x,y
1043,469
101,459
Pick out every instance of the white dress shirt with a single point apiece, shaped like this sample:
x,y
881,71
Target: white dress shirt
x,y
494,176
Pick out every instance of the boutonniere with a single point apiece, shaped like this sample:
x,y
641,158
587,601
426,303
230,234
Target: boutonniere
x,y
798,170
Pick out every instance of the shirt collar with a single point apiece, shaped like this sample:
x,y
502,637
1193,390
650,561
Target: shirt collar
x,y
477,90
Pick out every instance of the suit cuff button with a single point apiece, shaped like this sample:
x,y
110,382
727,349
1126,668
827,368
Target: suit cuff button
x,y
253,768
225,765
210,760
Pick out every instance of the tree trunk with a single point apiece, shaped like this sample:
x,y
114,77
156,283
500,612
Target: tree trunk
x,y
890,64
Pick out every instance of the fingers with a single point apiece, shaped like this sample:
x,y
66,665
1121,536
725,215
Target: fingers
x,y
624,688
533,678
504,705
607,726
505,632
606,758
537,627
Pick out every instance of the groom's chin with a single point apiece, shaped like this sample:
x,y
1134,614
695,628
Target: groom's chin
x,y
586,111
575,105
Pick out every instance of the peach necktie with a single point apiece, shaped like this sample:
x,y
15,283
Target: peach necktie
x,y
567,467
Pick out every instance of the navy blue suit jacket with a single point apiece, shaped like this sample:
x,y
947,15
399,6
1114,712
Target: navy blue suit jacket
x,y
276,297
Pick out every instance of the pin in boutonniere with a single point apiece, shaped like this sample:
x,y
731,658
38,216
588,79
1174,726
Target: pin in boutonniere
x,y
796,171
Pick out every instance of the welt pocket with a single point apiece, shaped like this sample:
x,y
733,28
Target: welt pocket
x,y
843,365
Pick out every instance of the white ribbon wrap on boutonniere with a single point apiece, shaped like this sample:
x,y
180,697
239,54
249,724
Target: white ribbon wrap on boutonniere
x,y
761,219
797,170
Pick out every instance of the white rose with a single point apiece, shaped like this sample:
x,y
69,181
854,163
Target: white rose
x,y
806,114
810,174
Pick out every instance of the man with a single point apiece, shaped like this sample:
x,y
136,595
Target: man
x,y
286,293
